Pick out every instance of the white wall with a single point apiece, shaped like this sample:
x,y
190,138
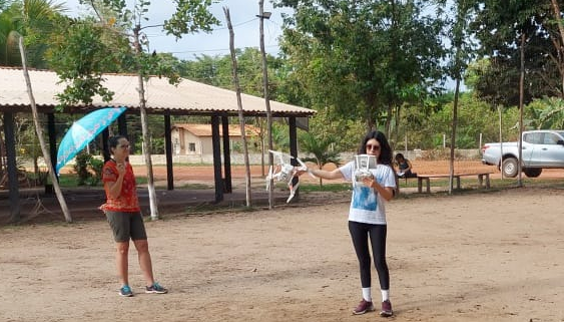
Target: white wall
x,y
255,158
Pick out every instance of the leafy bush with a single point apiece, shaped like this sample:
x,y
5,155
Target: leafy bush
x,y
88,169
81,167
96,166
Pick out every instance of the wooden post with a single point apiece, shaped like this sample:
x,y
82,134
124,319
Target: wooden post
x,y
14,194
226,155
216,159
52,134
168,152
294,151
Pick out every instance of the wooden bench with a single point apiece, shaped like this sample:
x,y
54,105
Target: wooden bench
x,y
398,178
427,178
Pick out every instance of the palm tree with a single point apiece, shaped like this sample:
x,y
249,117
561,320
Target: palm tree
x,y
9,31
319,147
33,19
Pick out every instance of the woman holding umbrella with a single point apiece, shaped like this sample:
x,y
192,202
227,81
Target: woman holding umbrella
x,y
124,216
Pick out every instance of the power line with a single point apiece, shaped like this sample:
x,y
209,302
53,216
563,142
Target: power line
x,y
218,29
218,50
209,50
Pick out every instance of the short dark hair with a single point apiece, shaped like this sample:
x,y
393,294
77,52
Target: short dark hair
x,y
385,149
114,140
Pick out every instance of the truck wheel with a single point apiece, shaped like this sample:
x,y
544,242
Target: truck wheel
x,y
532,172
510,167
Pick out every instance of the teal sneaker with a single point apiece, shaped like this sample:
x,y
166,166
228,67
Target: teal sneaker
x,y
125,291
156,288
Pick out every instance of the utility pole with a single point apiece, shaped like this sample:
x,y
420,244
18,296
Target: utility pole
x,y
266,15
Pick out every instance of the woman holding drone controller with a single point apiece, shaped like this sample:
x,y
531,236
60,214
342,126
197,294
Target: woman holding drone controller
x,y
367,215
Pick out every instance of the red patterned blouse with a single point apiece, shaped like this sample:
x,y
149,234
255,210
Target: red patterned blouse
x,y
127,200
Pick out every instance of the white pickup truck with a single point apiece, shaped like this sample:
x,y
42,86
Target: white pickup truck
x,y
542,149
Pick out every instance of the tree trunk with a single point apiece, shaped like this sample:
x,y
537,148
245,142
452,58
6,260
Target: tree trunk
x,y
2,155
458,62
396,131
146,137
36,171
320,166
38,129
558,19
261,144
521,107
453,134
390,110
240,107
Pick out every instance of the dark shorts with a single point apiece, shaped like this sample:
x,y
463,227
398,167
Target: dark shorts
x,y
126,225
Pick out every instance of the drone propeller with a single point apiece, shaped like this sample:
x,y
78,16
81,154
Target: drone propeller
x,y
293,189
269,178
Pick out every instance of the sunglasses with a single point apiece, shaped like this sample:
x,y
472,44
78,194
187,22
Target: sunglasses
x,y
372,147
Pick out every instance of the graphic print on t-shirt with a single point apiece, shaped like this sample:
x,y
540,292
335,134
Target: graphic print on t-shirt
x,y
364,198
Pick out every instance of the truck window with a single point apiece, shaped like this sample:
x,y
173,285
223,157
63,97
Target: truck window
x,y
534,138
550,138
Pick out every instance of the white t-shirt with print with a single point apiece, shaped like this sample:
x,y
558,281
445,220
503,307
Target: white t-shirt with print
x,y
367,206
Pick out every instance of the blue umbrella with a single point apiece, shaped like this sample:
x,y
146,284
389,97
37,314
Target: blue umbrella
x,y
84,131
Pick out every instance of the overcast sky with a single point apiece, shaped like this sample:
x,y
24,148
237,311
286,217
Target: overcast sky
x,y
243,18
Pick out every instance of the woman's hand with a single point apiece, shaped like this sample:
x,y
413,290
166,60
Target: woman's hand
x,y
368,181
386,193
121,169
298,171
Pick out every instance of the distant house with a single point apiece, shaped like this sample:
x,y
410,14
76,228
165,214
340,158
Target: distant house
x,y
196,139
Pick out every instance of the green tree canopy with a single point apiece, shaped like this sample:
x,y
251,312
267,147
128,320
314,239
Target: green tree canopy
x,y
499,26
361,58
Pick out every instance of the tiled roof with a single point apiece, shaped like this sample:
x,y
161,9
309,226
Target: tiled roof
x,y
186,98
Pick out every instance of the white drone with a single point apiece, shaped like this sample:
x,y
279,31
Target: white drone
x,y
285,171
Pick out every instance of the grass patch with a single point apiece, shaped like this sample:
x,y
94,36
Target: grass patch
x,y
196,186
332,187
187,186
141,180
68,180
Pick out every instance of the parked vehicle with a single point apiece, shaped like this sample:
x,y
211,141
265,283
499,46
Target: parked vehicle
x,y
542,149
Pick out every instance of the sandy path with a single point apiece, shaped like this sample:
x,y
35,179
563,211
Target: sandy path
x,y
459,258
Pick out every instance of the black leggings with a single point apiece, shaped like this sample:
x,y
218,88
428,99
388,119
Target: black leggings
x,y
359,233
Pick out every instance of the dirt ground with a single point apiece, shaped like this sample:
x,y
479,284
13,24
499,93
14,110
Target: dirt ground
x,y
476,257
493,256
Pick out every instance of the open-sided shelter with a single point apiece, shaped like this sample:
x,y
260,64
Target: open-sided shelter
x,y
162,98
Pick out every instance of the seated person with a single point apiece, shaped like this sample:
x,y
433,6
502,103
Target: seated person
x,y
404,167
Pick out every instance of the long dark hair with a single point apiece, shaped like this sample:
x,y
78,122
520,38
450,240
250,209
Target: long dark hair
x,y
386,154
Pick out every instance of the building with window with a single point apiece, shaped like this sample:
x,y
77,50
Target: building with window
x,y
196,139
